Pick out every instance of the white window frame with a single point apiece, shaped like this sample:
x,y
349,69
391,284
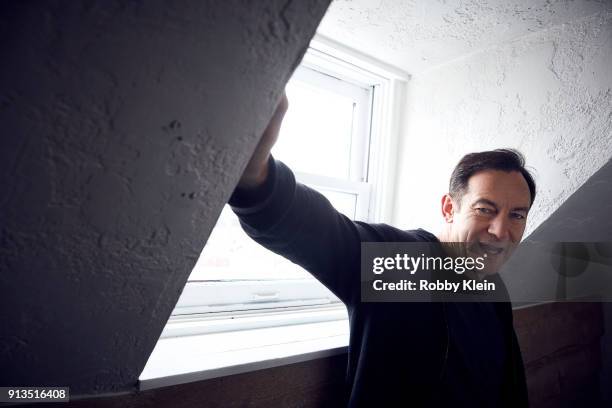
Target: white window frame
x,y
261,303
356,184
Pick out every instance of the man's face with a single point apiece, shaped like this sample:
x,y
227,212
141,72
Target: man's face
x,y
491,216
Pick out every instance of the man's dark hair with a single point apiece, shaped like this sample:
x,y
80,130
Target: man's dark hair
x,y
499,159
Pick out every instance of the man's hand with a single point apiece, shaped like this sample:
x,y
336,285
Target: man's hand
x,y
256,171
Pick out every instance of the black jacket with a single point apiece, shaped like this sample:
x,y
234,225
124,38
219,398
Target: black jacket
x,y
400,354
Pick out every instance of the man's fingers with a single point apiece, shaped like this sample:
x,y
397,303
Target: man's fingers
x,y
256,170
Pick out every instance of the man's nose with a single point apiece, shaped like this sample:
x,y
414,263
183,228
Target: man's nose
x,y
500,228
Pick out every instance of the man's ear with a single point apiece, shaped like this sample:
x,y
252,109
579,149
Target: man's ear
x,y
448,208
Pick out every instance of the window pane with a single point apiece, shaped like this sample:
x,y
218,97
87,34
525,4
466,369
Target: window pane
x,y
343,202
230,254
316,133
316,138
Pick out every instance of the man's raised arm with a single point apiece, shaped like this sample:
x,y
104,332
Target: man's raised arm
x,y
296,221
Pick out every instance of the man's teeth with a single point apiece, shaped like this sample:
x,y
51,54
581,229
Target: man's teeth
x,y
491,250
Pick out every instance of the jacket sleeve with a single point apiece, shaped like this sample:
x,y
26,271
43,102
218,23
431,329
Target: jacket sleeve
x,y
301,225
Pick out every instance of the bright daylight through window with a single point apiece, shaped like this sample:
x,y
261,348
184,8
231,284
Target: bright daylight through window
x,y
326,139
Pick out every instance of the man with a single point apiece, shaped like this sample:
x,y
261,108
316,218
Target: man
x,y
404,354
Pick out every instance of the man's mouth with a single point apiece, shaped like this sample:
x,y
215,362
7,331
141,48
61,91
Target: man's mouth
x,y
489,249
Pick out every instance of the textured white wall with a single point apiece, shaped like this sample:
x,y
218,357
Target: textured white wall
x,y
547,93
419,34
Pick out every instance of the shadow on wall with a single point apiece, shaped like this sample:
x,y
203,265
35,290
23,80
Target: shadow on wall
x,y
574,346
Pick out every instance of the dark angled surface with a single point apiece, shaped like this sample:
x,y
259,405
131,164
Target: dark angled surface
x,y
584,217
125,126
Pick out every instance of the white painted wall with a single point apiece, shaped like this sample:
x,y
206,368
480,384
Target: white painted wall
x,y
547,93
416,35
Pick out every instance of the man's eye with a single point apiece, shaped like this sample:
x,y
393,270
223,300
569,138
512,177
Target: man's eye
x,y
517,216
483,210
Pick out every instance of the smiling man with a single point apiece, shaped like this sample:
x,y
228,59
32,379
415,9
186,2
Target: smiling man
x,y
433,354
486,208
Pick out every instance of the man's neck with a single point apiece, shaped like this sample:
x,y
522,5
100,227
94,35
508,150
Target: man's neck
x,y
443,235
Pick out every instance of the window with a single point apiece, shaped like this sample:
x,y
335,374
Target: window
x,y
332,138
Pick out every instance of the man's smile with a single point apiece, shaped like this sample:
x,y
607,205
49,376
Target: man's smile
x,y
490,249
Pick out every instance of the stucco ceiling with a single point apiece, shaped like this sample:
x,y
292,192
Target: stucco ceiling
x,y
415,35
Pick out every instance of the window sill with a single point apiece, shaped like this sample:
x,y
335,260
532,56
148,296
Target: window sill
x,y
178,360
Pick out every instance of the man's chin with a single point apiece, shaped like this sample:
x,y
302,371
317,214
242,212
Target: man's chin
x,y
492,264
